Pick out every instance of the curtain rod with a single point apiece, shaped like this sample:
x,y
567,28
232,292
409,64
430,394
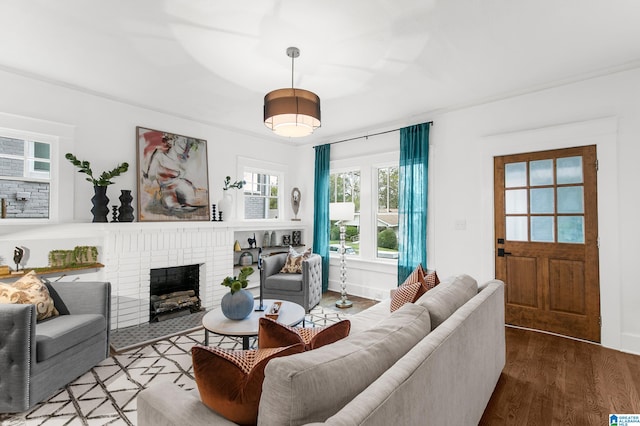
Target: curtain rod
x,y
373,134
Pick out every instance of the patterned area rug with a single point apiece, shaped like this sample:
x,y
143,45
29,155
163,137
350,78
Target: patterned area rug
x,y
106,395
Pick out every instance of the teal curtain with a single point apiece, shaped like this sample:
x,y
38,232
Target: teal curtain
x,y
412,199
321,210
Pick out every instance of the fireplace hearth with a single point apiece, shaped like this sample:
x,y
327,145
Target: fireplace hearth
x,y
174,292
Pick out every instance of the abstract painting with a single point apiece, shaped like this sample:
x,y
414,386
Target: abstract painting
x,y
173,179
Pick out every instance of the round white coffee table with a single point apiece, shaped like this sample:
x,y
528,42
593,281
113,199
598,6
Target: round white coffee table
x,y
215,321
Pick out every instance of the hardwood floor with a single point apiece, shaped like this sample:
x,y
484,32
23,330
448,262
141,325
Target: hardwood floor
x,y
329,299
552,380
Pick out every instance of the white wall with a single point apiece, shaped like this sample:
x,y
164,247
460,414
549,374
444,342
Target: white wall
x,y
604,111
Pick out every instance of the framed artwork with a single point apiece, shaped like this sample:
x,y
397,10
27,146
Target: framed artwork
x,y
173,178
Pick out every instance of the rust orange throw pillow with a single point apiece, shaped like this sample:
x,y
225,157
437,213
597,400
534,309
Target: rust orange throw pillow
x,y
416,284
230,382
272,334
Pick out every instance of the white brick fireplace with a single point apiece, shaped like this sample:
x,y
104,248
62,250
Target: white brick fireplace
x,y
129,256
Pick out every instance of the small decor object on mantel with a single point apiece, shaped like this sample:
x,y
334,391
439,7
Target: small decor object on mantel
x,y
100,201
296,196
286,240
125,211
226,203
238,303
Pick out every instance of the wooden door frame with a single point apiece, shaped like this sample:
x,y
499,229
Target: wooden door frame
x,y
599,132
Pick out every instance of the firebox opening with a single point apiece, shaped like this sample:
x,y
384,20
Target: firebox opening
x,y
174,292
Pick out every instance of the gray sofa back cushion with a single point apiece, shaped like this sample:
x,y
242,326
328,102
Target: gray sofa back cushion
x,y
314,385
445,298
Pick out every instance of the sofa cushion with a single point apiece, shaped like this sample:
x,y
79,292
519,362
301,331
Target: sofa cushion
x,y
406,293
284,282
57,334
446,298
314,385
293,263
412,288
230,382
429,281
272,334
29,290
368,318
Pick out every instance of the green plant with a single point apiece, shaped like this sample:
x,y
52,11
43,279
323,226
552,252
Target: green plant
x,y
388,239
237,184
105,177
239,282
85,254
61,258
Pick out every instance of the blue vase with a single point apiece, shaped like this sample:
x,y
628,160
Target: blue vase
x,y
238,305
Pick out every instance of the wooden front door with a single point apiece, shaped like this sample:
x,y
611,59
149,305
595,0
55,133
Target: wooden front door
x,y
546,228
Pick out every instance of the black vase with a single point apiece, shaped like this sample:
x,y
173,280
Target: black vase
x,y
100,202
125,212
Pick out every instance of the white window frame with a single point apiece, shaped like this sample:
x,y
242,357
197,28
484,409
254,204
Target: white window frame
x,y
252,165
368,166
375,189
347,170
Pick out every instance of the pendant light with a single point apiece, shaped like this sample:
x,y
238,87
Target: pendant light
x,y
292,112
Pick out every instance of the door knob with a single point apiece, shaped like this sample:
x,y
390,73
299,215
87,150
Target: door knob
x,y
502,253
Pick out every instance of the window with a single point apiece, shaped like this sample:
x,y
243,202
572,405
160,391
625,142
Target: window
x,y
387,213
25,177
261,195
544,201
345,187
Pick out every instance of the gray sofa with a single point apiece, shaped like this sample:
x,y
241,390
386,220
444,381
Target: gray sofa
x,y
38,358
435,362
304,289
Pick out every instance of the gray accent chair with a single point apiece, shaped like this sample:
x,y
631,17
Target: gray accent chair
x,y
37,359
304,289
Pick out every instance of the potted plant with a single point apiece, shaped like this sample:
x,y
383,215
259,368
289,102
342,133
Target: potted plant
x,y
238,303
100,201
225,205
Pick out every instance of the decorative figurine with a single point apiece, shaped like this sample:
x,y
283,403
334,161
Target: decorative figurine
x,y
296,238
115,214
252,241
213,212
18,252
295,202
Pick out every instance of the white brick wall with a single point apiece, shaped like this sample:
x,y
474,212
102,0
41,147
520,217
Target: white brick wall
x,y
129,256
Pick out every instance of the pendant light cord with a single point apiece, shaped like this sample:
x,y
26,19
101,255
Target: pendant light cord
x,y
292,59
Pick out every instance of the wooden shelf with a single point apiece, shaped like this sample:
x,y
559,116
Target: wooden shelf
x,y
50,270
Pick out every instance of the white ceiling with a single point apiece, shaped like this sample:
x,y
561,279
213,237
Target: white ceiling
x,y
376,64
